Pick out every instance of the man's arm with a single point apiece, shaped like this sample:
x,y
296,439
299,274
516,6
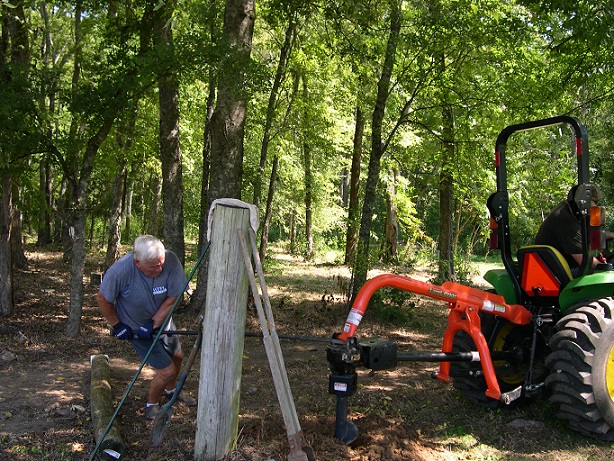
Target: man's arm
x,y
163,311
107,309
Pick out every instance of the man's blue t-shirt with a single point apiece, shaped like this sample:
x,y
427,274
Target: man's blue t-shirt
x,y
138,297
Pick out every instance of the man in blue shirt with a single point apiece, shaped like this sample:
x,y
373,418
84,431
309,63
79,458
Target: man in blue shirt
x,y
135,297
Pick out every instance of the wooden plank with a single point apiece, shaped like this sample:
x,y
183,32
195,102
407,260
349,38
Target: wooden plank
x,y
274,354
223,337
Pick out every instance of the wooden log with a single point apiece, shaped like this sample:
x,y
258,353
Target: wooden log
x,y
101,402
223,336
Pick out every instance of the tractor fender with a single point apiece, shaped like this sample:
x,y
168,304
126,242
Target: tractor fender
x,y
502,284
600,284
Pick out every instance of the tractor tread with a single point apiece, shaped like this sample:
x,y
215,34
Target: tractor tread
x,y
578,379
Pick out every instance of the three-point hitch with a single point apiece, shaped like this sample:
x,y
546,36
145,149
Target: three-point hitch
x,y
465,304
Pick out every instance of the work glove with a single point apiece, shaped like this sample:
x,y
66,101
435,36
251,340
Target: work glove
x,y
145,330
122,331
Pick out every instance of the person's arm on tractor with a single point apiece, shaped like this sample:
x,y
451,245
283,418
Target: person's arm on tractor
x,y
596,260
578,258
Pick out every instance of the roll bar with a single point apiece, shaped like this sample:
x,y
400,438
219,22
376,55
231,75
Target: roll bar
x,y
498,202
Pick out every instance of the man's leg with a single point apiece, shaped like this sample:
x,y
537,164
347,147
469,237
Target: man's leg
x,y
164,378
177,360
171,387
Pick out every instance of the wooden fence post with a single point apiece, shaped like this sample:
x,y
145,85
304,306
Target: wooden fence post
x,y
102,409
223,335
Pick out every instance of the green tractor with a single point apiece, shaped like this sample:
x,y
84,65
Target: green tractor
x,y
538,331
567,350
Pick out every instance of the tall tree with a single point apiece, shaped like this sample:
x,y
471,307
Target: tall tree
x,y
14,144
170,152
378,147
119,85
268,213
308,175
198,297
228,118
353,225
446,210
46,104
282,65
6,271
390,253
124,140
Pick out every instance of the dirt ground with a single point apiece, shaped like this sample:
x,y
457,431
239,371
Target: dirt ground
x,y
401,414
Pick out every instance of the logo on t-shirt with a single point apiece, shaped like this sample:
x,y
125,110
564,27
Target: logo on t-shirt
x,y
159,290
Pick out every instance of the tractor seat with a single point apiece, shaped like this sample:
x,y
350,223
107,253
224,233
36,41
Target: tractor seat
x,y
544,271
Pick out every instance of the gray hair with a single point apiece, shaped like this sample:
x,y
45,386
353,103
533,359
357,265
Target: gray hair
x,y
147,248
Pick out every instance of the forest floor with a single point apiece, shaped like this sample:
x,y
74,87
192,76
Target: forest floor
x,y
401,414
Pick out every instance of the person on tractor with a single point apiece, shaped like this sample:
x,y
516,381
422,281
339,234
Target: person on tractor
x,y
561,230
135,296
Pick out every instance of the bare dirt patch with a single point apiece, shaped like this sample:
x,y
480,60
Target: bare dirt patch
x,y
402,414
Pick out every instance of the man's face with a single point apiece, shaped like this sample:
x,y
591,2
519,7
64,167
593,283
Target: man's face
x,y
151,268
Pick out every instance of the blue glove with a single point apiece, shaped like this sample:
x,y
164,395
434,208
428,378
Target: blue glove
x,y
122,331
145,330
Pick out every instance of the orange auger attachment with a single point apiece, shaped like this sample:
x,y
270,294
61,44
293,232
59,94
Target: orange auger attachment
x,y
464,303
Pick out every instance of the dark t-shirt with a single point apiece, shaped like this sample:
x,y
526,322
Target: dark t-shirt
x,y
561,230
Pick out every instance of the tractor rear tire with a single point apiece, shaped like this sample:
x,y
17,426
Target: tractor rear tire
x,y
582,368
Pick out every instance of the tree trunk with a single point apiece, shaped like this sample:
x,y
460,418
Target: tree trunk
x,y
391,249
284,56
47,100
351,238
14,64
264,237
199,294
115,221
170,152
78,222
204,191
6,271
92,225
362,263
44,231
446,188
127,209
18,255
446,208
292,225
197,301
154,222
17,76
124,140
59,217
228,120
307,165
